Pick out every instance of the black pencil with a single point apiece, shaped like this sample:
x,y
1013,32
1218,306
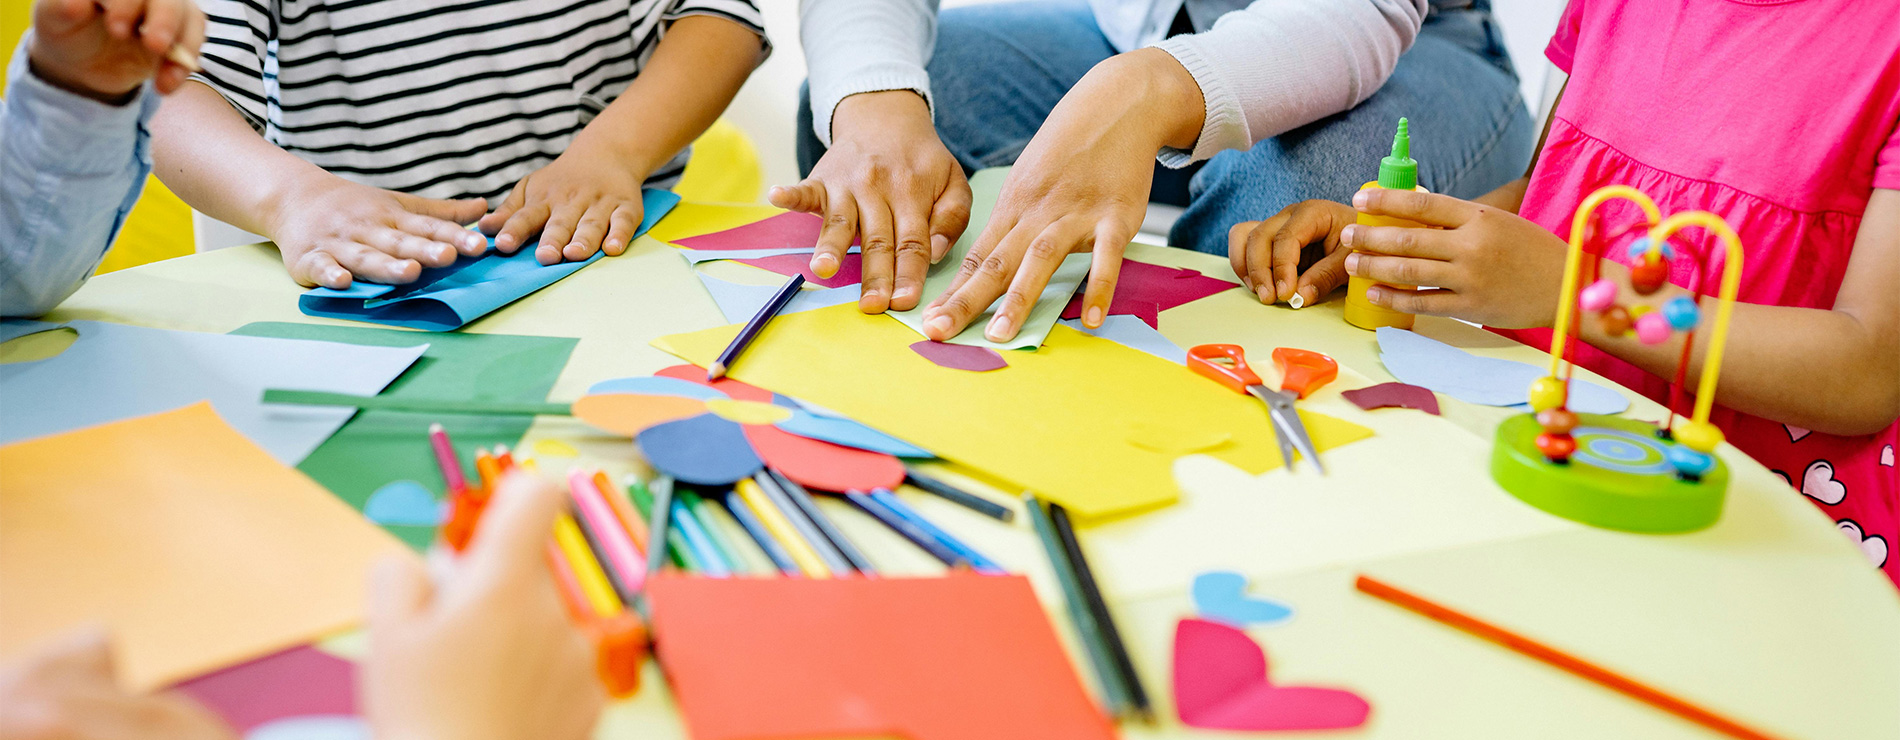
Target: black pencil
x,y
959,496
753,327
1065,531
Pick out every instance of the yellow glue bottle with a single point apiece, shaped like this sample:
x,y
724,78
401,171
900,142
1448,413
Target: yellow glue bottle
x,y
1396,172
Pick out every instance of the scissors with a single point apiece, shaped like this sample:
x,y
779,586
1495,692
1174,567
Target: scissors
x,y
1301,372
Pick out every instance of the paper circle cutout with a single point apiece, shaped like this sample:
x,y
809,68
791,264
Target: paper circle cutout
x,y
627,414
702,450
823,465
748,412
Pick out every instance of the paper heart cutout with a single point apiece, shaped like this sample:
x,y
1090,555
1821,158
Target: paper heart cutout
x,y
1795,433
1221,596
1873,546
1819,484
404,503
1221,683
1886,456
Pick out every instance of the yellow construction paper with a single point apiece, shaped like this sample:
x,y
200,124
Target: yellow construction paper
x,y
195,547
695,219
1059,421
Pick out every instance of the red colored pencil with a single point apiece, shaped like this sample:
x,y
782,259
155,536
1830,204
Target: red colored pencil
x,y
1576,666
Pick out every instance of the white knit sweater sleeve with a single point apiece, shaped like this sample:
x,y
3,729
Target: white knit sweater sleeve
x,y
859,46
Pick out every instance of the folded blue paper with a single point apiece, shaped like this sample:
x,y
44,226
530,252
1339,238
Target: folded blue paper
x,y
446,298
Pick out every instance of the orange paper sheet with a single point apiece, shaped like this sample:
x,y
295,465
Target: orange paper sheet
x,y
959,657
195,547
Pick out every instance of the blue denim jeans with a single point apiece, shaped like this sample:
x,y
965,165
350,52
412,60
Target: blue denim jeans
x,y
1000,69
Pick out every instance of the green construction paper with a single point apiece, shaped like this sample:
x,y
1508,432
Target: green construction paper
x,y
380,446
424,405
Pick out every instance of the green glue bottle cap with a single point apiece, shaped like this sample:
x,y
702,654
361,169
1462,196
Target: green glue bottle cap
x,y
1399,171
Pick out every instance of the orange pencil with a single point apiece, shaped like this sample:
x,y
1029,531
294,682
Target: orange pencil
x,y
504,458
623,510
490,471
1576,666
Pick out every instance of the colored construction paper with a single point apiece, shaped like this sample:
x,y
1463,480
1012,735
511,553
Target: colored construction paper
x,y
1221,596
1069,409
696,256
1393,395
187,540
446,298
726,385
959,356
694,219
377,447
702,450
11,329
739,302
783,233
312,727
843,431
958,657
850,269
1419,360
626,414
115,371
657,385
1144,291
1221,683
1132,331
823,465
294,683
1176,438
403,503
985,185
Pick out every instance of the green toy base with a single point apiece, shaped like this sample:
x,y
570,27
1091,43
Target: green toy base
x,y
1617,479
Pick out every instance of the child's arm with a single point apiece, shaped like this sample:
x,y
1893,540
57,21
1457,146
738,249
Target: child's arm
x,y
589,197
1834,371
327,228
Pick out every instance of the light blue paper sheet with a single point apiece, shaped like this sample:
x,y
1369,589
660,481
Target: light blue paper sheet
x,y
739,302
114,371
1486,381
696,256
849,433
1132,332
11,329
447,298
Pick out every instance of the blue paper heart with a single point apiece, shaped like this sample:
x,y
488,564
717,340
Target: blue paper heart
x,y
1221,596
403,502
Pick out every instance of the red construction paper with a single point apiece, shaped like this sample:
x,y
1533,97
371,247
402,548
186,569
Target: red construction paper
x,y
960,356
1393,395
784,231
296,682
728,386
957,657
1146,290
822,465
1221,683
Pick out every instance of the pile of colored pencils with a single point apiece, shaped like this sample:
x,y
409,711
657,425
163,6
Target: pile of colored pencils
x,y
1122,693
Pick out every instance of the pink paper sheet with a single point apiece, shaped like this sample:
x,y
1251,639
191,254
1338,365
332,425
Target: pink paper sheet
x,y
1221,683
784,231
1393,395
296,682
1146,290
960,357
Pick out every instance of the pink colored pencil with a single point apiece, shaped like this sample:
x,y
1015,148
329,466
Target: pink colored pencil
x,y
445,456
615,543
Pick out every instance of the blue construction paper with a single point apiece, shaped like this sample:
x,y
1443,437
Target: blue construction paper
x,y
703,450
1221,596
113,372
447,298
655,385
1132,332
1486,381
840,431
741,302
11,329
403,502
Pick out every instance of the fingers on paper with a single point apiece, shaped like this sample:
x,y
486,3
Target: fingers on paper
x,y
1323,277
621,227
1040,258
493,223
524,222
808,196
914,256
320,268
558,233
834,238
458,239
878,230
983,275
950,215
1105,268
589,231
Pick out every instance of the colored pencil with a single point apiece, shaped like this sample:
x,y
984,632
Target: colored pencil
x,y
623,510
417,405
1556,658
749,521
780,526
490,471
716,535
662,509
1114,693
905,528
1111,635
572,597
587,571
622,586
504,458
804,501
977,560
753,327
445,457
615,544
959,496
674,547
807,529
711,563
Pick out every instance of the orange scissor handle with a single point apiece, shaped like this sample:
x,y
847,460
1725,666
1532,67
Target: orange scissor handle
x,y
620,649
1225,364
1303,371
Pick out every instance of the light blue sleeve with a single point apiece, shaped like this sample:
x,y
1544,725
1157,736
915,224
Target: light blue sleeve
x,y
70,170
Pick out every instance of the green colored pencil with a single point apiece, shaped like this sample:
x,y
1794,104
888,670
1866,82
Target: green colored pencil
x,y
1114,694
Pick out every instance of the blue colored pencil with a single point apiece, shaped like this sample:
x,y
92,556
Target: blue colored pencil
x,y
977,560
753,327
710,561
750,521
905,528
803,500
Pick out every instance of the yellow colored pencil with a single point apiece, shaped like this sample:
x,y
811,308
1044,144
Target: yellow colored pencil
x,y
781,529
593,580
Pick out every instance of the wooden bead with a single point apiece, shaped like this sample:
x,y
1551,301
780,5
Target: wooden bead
x,y
1615,320
1647,277
1556,447
1547,393
1559,420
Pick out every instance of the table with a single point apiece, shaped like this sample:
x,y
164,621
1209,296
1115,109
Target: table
x,y
1770,617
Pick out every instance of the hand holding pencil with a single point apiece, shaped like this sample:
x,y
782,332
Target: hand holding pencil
x,y
106,49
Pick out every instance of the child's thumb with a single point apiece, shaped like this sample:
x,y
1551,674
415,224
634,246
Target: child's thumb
x,y
1323,277
399,591
512,536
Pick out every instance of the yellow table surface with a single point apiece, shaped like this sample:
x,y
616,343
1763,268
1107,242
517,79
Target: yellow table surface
x,y
1769,617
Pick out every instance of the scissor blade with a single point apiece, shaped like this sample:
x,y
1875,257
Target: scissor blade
x,y
1289,427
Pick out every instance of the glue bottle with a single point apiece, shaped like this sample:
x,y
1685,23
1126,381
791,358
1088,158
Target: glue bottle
x,y
1396,172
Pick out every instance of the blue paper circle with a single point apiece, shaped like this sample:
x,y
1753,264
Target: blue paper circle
x,y
702,450
656,385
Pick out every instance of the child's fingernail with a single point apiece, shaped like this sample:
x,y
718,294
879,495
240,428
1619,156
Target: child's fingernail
x,y
1352,264
1360,199
1346,234
1261,293
824,265
1094,318
999,328
505,241
939,246
939,325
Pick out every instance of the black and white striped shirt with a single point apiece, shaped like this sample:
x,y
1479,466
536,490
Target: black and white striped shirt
x,y
438,98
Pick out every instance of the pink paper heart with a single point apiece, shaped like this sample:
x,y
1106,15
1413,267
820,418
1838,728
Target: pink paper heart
x,y
1221,683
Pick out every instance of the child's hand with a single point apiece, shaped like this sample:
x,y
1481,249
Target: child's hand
x,y
67,692
581,202
490,654
1487,266
105,50
1267,254
335,229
